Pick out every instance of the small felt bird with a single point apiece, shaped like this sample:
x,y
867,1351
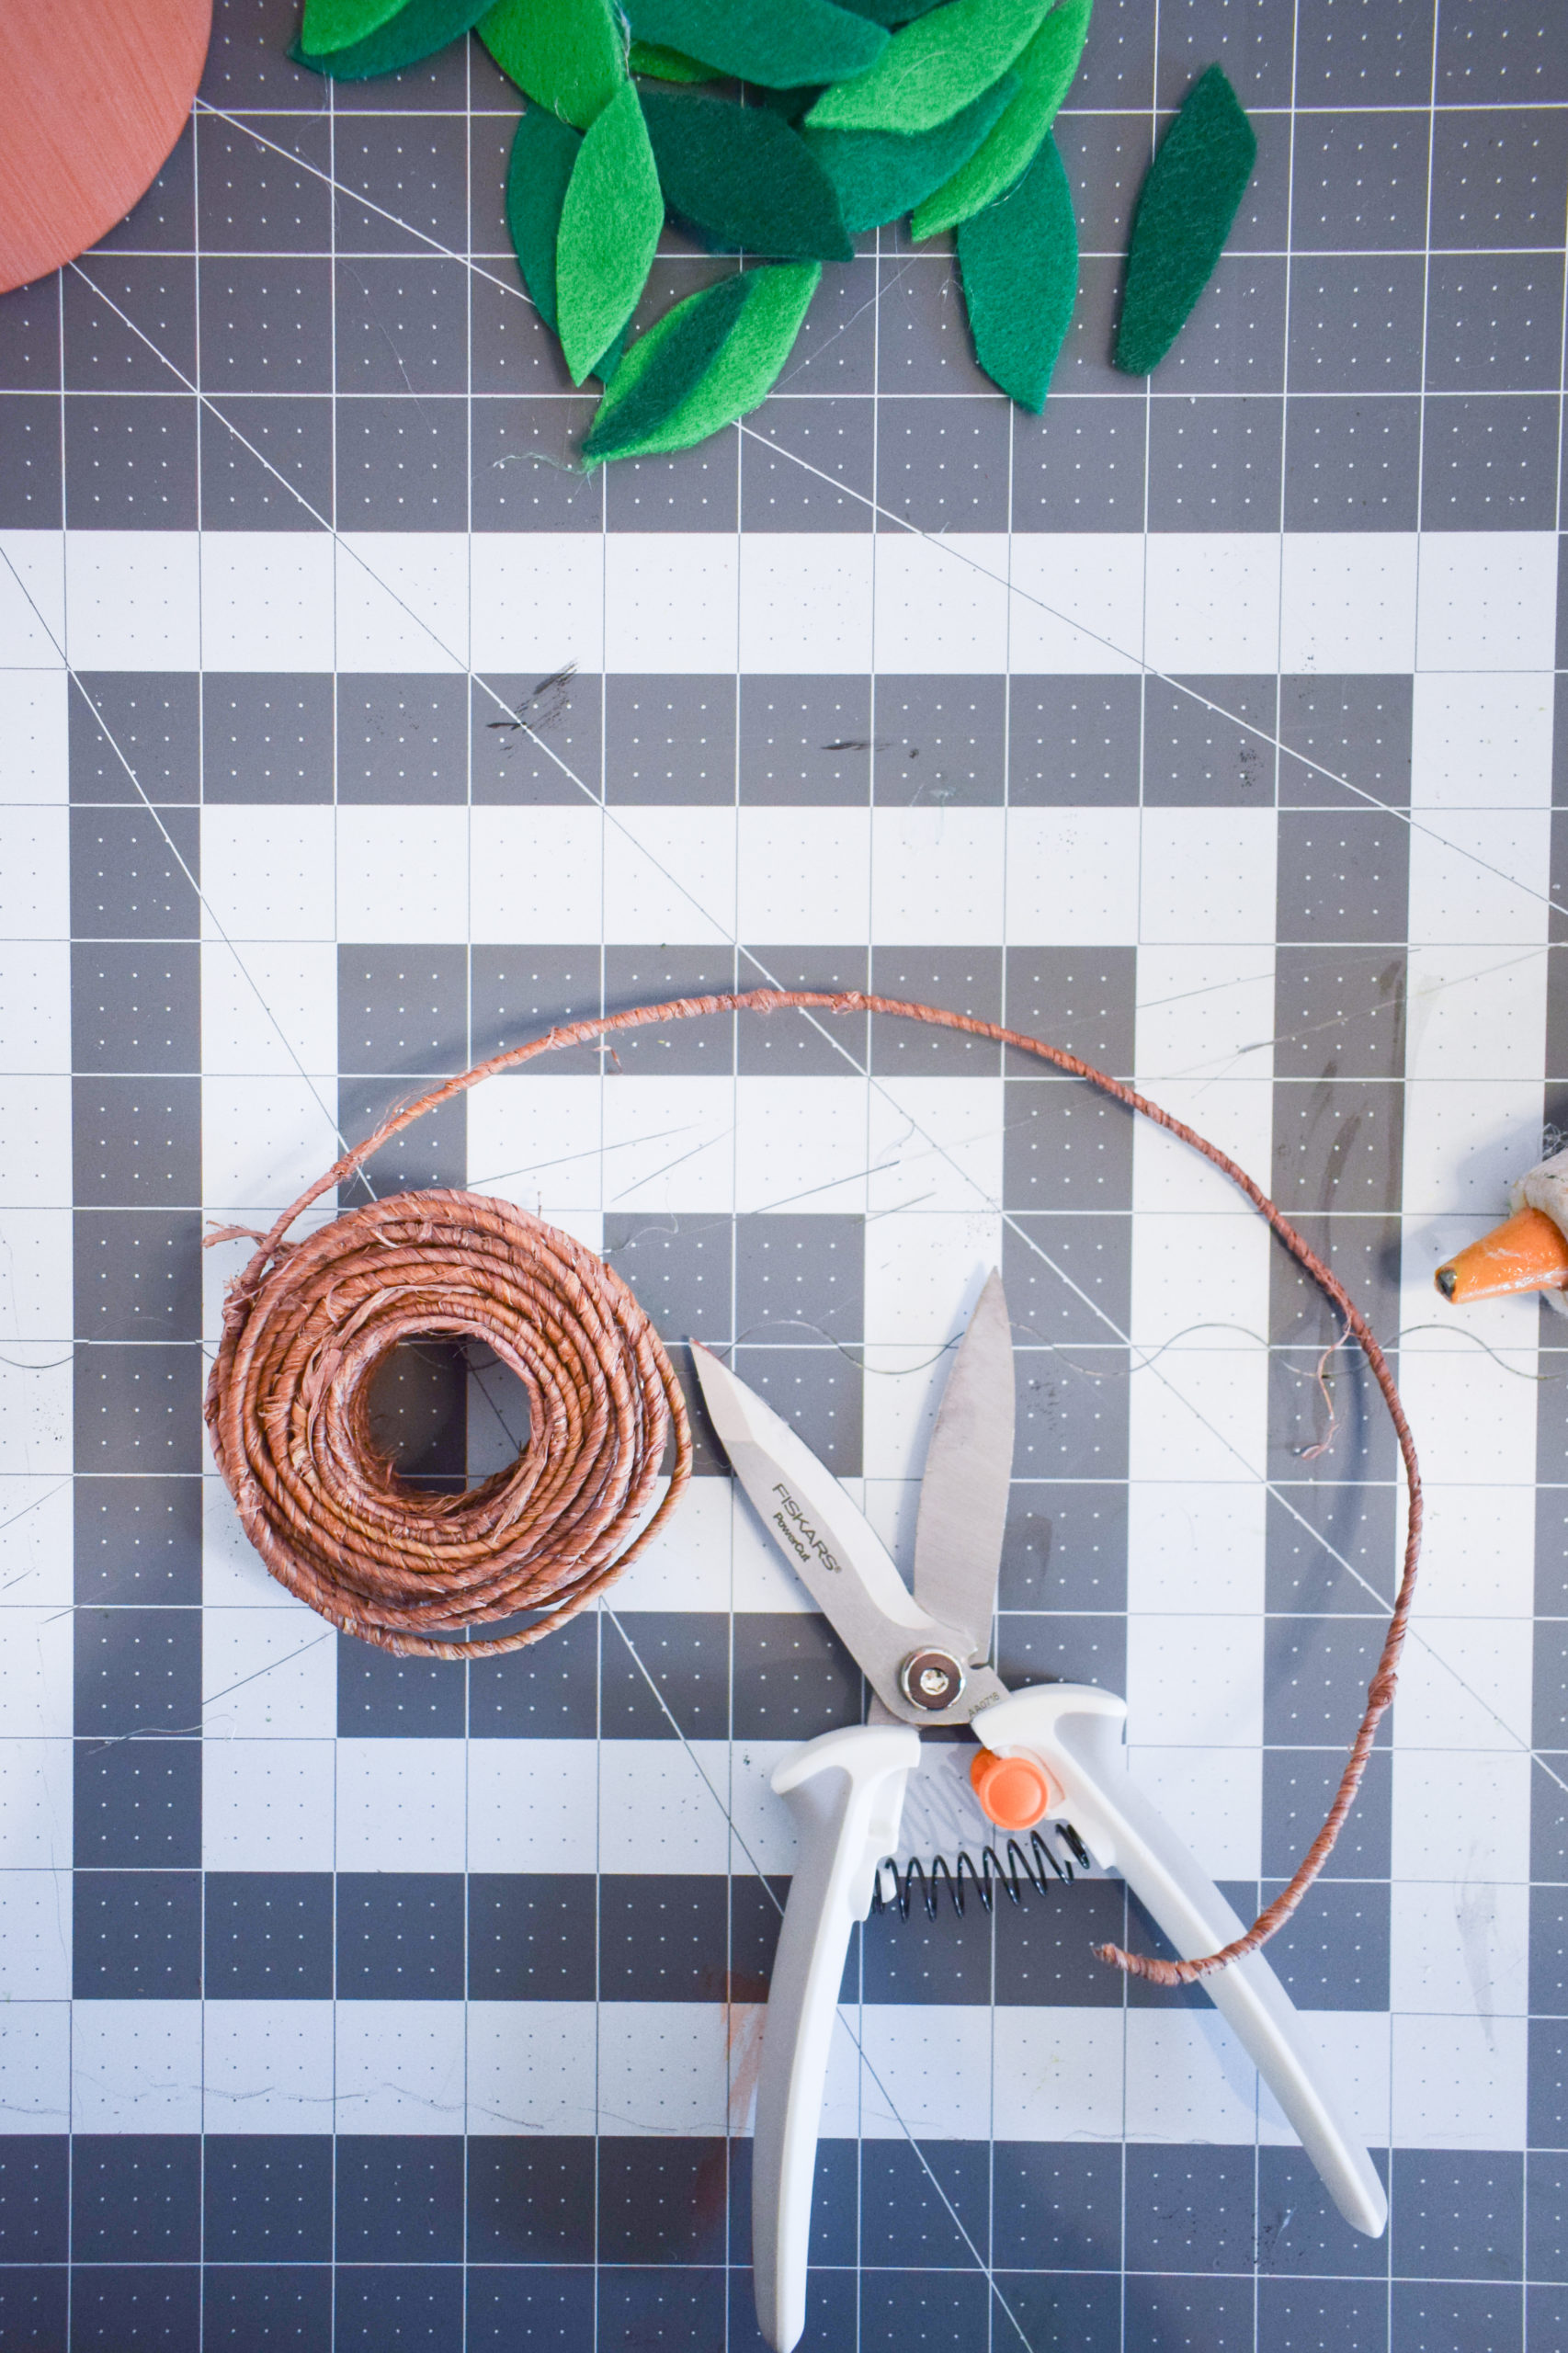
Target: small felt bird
x,y
1527,1252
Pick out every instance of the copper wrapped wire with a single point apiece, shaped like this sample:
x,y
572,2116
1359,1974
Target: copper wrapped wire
x,y
288,1410
306,1323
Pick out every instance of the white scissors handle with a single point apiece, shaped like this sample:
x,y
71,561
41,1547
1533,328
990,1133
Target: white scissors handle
x,y
1075,1730
845,1792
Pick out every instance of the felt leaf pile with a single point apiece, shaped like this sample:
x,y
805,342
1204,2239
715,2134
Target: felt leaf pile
x,y
743,179
853,114
1185,210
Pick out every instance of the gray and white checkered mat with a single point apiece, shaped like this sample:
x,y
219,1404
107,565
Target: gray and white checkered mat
x,y
1206,728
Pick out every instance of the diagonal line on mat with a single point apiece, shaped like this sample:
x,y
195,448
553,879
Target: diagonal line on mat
x,y
302,162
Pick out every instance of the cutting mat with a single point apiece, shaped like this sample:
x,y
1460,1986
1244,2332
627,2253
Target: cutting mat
x,y
1204,727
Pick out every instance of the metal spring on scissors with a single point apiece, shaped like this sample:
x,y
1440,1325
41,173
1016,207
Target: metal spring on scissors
x,y
894,1888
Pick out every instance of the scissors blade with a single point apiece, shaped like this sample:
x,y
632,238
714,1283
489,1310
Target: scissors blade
x,y
832,1549
968,1466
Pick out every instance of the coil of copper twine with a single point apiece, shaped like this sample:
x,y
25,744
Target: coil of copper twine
x,y
306,1324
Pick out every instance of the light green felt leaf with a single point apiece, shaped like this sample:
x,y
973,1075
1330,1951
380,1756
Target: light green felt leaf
x,y
570,55
1185,211
880,174
932,68
544,149
1045,71
778,44
667,65
329,25
707,363
744,180
610,220
1019,263
351,39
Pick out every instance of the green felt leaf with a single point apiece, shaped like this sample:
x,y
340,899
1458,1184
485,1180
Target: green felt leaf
x,y
778,43
708,362
891,12
544,149
790,105
1045,71
665,363
933,67
611,220
1019,264
351,39
743,177
1185,211
569,55
668,64
329,25
880,173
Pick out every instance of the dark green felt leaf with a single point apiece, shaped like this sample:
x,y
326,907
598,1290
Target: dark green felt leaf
x,y
1045,71
351,39
611,220
779,43
706,363
668,64
1185,210
570,55
932,68
880,174
1019,263
790,105
544,152
743,177
891,12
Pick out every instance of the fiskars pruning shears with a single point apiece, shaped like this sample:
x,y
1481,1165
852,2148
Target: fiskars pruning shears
x,y
1050,1756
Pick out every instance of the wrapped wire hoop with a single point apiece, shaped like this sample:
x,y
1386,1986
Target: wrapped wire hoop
x,y
305,1323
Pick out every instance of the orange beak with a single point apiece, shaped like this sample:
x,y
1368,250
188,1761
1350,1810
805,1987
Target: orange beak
x,y
1527,1252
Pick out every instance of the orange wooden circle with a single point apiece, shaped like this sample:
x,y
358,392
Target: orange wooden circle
x,y
94,94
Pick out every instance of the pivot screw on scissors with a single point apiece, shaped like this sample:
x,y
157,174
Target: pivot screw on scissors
x,y
931,1681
